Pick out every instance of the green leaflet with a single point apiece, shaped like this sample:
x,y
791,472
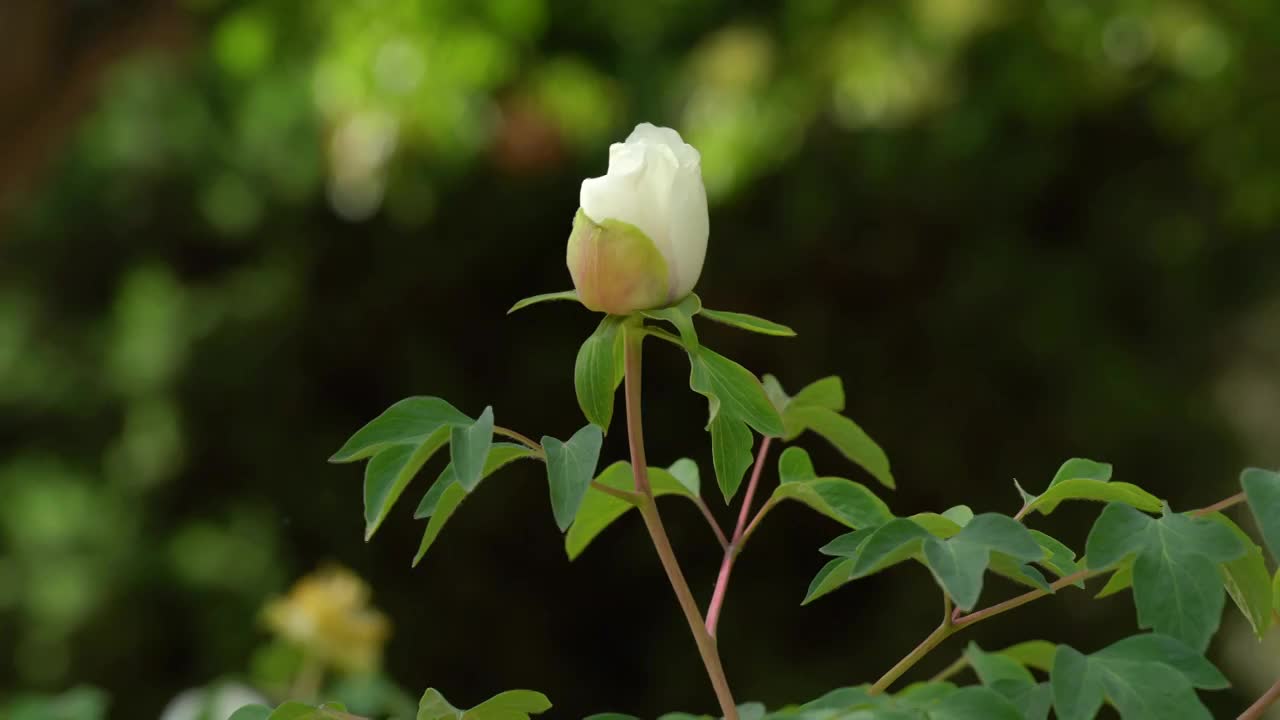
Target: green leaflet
x,y
544,297
469,447
1247,580
599,509
1081,479
510,705
1146,677
570,467
598,370
1262,489
752,323
959,563
847,502
446,494
1177,585
817,408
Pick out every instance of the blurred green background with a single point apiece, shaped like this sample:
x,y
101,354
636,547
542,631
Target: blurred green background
x,y
233,231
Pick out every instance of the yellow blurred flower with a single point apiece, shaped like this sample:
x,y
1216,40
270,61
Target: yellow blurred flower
x,y
327,613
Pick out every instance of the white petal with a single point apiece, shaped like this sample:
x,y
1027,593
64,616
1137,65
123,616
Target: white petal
x,y
690,228
647,133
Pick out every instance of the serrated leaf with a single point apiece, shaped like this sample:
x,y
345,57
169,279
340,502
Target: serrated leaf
x,y
469,447
1262,490
599,509
1082,468
570,467
846,436
509,705
1145,689
1177,587
598,370
1247,580
408,422
544,297
388,473
1097,491
752,323
959,563
500,455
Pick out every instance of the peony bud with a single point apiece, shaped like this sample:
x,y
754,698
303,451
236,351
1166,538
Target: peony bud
x,y
640,237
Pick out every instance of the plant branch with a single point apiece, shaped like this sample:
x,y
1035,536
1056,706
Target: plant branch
x,y
959,621
626,495
661,543
1259,708
935,639
735,545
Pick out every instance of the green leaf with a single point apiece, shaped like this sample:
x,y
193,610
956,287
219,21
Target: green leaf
x,y
734,391
825,393
469,447
887,545
598,371
835,573
946,703
1081,468
570,467
299,711
1247,580
686,472
1262,490
1059,558
960,562
388,473
1141,686
545,297
847,502
959,514
1120,580
794,465
1036,654
447,504
1095,490
938,525
408,422
510,705
599,509
1177,586
846,436
1153,647
752,323
251,712
681,315
996,667
731,443
501,454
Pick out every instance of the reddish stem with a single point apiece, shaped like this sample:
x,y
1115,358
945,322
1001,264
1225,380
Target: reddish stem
x,y
735,545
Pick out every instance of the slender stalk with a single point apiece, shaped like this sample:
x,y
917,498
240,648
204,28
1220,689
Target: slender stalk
x,y
523,440
935,639
1220,505
735,545
627,495
711,520
661,543
1259,708
307,683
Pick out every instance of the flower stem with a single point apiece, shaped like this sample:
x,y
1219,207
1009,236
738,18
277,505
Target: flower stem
x,y
735,545
658,533
522,439
1259,708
